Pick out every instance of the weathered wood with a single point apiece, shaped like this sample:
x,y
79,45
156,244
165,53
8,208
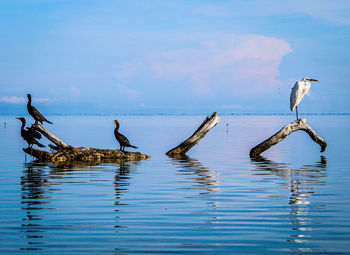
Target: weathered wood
x,y
84,154
67,153
283,133
203,129
50,136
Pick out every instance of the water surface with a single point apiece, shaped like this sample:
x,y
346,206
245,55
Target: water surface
x,y
216,200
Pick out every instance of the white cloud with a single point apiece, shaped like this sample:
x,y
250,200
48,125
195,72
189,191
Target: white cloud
x,y
22,100
333,11
336,12
42,100
131,93
129,69
12,100
74,90
237,63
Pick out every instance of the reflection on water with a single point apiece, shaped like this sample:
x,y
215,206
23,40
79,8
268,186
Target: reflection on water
x,y
216,202
302,183
34,197
121,181
42,184
121,186
202,177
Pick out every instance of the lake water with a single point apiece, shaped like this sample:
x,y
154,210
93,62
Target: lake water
x,y
215,201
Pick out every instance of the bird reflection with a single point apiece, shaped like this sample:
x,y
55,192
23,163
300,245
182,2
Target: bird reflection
x,y
121,181
40,181
121,184
302,183
33,198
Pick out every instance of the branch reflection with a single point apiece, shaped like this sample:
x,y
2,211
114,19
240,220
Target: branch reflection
x,y
302,183
204,178
201,177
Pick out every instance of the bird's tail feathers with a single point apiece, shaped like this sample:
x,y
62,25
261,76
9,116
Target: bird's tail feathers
x,y
40,145
134,146
48,121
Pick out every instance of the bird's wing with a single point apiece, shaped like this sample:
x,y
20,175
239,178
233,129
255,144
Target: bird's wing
x,y
296,95
34,133
124,140
38,114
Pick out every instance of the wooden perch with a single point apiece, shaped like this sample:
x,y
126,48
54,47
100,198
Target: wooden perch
x,y
50,136
203,129
66,153
283,133
83,154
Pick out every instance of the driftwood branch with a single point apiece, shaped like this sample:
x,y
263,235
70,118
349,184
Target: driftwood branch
x,y
50,136
84,154
283,133
66,153
203,129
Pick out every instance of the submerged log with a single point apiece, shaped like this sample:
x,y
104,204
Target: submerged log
x,y
283,133
84,154
66,153
203,129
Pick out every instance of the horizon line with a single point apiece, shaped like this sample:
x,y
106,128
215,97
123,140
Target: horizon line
x,y
181,114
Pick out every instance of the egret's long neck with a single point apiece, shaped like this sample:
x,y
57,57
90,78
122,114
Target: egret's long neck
x,y
308,84
117,127
307,87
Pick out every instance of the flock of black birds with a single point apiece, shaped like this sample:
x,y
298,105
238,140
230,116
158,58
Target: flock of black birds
x,y
31,135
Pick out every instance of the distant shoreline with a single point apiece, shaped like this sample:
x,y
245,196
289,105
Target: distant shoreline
x,y
182,114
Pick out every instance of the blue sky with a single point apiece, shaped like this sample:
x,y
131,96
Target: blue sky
x,y
111,57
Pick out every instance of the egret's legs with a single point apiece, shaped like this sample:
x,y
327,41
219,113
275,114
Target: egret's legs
x,y
296,110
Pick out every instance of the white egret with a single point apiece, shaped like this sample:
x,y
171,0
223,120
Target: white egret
x,y
298,91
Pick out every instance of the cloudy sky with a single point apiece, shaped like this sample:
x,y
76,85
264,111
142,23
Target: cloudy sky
x,y
179,56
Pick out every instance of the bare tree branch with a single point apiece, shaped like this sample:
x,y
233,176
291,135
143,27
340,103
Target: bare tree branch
x,y
283,133
203,129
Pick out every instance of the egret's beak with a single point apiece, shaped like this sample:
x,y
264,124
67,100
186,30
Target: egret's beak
x,y
313,80
113,121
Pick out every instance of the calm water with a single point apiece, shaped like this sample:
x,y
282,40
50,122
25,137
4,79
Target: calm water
x,y
215,201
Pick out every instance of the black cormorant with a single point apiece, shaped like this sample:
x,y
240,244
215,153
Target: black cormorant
x,y
123,141
33,132
34,112
28,135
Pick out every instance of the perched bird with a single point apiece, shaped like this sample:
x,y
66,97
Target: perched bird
x,y
123,141
28,136
33,132
298,91
34,112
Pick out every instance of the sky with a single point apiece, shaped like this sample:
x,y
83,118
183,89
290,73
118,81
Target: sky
x,y
173,57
